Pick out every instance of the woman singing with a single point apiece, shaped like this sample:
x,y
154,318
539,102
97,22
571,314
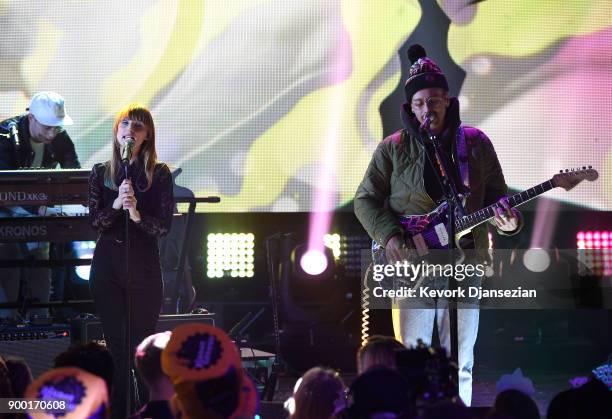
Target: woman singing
x,y
146,196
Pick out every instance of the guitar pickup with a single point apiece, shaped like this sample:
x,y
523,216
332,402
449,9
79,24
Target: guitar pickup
x,y
442,234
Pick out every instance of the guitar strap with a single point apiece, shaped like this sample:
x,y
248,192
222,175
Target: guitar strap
x,y
462,156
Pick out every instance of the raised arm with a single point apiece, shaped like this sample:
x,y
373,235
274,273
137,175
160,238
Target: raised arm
x,y
102,215
159,224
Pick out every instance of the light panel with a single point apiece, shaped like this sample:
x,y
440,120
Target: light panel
x,y
230,255
595,252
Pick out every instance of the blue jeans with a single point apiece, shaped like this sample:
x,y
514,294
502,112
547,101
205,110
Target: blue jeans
x,y
414,319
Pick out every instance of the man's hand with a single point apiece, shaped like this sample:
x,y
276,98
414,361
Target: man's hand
x,y
396,250
506,218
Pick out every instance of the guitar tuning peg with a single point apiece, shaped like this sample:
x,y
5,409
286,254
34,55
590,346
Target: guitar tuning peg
x,y
590,167
566,170
583,167
561,171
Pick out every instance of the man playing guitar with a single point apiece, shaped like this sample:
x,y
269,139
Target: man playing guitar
x,y
400,180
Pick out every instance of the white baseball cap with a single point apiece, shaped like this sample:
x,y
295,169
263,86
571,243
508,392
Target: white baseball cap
x,y
48,109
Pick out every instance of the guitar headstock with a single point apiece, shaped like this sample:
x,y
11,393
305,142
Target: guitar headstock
x,y
569,178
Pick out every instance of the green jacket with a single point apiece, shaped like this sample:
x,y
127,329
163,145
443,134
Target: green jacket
x,y
394,185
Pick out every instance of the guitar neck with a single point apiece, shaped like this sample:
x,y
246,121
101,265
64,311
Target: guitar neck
x,y
470,221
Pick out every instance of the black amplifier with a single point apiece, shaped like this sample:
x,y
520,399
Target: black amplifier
x,y
90,328
38,345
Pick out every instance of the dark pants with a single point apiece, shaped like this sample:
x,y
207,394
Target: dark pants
x,y
108,285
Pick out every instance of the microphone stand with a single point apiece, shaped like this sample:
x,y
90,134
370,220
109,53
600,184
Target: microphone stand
x,y
455,206
128,304
283,247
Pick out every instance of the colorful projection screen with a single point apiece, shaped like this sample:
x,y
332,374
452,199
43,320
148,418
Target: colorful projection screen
x,y
267,102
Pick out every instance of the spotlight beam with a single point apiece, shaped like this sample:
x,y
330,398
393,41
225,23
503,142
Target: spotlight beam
x,y
320,218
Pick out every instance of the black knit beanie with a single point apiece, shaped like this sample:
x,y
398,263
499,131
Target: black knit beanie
x,y
424,72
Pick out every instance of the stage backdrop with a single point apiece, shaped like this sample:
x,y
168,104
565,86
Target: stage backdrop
x,y
268,103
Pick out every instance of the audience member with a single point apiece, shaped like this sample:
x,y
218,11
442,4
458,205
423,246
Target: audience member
x,y
206,371
593,400
378,351
84,394
19,374
396,382
516,405
148,365
446,409
6,389
382,393
91,357
318,394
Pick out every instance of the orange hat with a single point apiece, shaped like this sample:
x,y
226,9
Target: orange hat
x,y
84,394
205,368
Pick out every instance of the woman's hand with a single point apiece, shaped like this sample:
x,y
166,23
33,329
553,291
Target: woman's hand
x,y
127,200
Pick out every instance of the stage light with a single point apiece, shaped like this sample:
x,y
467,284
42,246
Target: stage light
x,y
536,259
594,240
313,262
594,252
230,255
332,241
304,296
310,264
347,250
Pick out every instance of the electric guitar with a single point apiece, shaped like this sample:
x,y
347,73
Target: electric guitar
x,y
428,231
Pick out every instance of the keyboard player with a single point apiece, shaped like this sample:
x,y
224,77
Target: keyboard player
x,y
36,139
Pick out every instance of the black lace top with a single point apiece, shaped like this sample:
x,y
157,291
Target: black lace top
x,y
155,205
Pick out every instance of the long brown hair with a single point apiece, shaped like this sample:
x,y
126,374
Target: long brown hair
x,y
148,153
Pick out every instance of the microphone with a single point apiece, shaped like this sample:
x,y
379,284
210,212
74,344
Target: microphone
x,y
12,127
128,148
427,122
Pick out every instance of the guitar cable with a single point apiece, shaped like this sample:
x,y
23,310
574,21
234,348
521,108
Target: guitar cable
x,y
365,311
